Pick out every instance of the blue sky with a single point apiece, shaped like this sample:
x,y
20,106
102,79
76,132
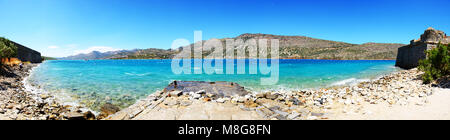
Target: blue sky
x,y
65,27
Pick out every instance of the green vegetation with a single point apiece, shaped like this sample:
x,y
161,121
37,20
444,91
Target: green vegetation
x,y
44,58
437,64
7,48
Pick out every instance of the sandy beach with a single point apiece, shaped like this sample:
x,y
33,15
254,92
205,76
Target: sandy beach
x,y
436,108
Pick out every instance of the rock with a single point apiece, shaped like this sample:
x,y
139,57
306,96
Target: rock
x,y
10,106
52,117
219,89
210,95
280,117
152,98
201,92
264,112
244,108
281,113
197,96
75,116
240,99
295,101
272,96
348,102
311,118
54,105
250,103
206,99
220,100
260,95
293,115
170,102
317,114
44,96
89,115
175,93
108,109
158,94
185,103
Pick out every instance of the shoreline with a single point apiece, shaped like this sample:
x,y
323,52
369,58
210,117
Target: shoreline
x,y
33,89
334,102
401,88
19,102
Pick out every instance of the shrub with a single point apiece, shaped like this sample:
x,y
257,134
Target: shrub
x,y
7,48
437,63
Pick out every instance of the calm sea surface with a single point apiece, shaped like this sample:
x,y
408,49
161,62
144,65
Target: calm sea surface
x,y
121,82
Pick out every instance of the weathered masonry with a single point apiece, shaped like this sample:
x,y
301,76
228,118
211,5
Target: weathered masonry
x,y
408,56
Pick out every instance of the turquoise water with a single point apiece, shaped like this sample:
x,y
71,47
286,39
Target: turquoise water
x,y
122,82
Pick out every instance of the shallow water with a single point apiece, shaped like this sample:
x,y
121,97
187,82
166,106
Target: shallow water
x,y
122,82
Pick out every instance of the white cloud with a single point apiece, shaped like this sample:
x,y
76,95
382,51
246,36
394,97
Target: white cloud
x,y
53,47
101,49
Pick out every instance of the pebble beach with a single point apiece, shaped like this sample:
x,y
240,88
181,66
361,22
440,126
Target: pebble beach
x,y
19,102
394,91
384,98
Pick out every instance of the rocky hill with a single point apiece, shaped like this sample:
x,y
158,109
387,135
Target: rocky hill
x,y
94,55
291,47
151,53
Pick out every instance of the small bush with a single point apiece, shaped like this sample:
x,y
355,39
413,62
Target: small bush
x,y
437,63
7,48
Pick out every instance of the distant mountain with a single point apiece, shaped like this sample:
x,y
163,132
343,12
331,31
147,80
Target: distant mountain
x,y
151,53
291,47
93,55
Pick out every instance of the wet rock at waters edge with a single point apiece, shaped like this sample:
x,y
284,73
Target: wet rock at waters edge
x,y
108,109
89,115
272,96
214,89
75,116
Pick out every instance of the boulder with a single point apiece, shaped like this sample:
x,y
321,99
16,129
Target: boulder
x,y
213,89
75,116
108,109
175,93
272,96
89,115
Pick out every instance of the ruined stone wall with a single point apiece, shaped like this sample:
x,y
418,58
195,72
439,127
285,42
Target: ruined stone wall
x,y
25,54
408,56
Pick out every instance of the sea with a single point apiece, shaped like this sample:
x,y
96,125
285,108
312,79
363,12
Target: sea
x,y
93,83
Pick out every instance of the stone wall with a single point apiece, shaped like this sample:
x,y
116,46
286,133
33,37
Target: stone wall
x,y
25,54
408,56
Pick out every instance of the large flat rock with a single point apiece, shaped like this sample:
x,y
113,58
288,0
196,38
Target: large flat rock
x,y
220,89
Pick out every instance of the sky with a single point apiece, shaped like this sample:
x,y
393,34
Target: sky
x,y
59,28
